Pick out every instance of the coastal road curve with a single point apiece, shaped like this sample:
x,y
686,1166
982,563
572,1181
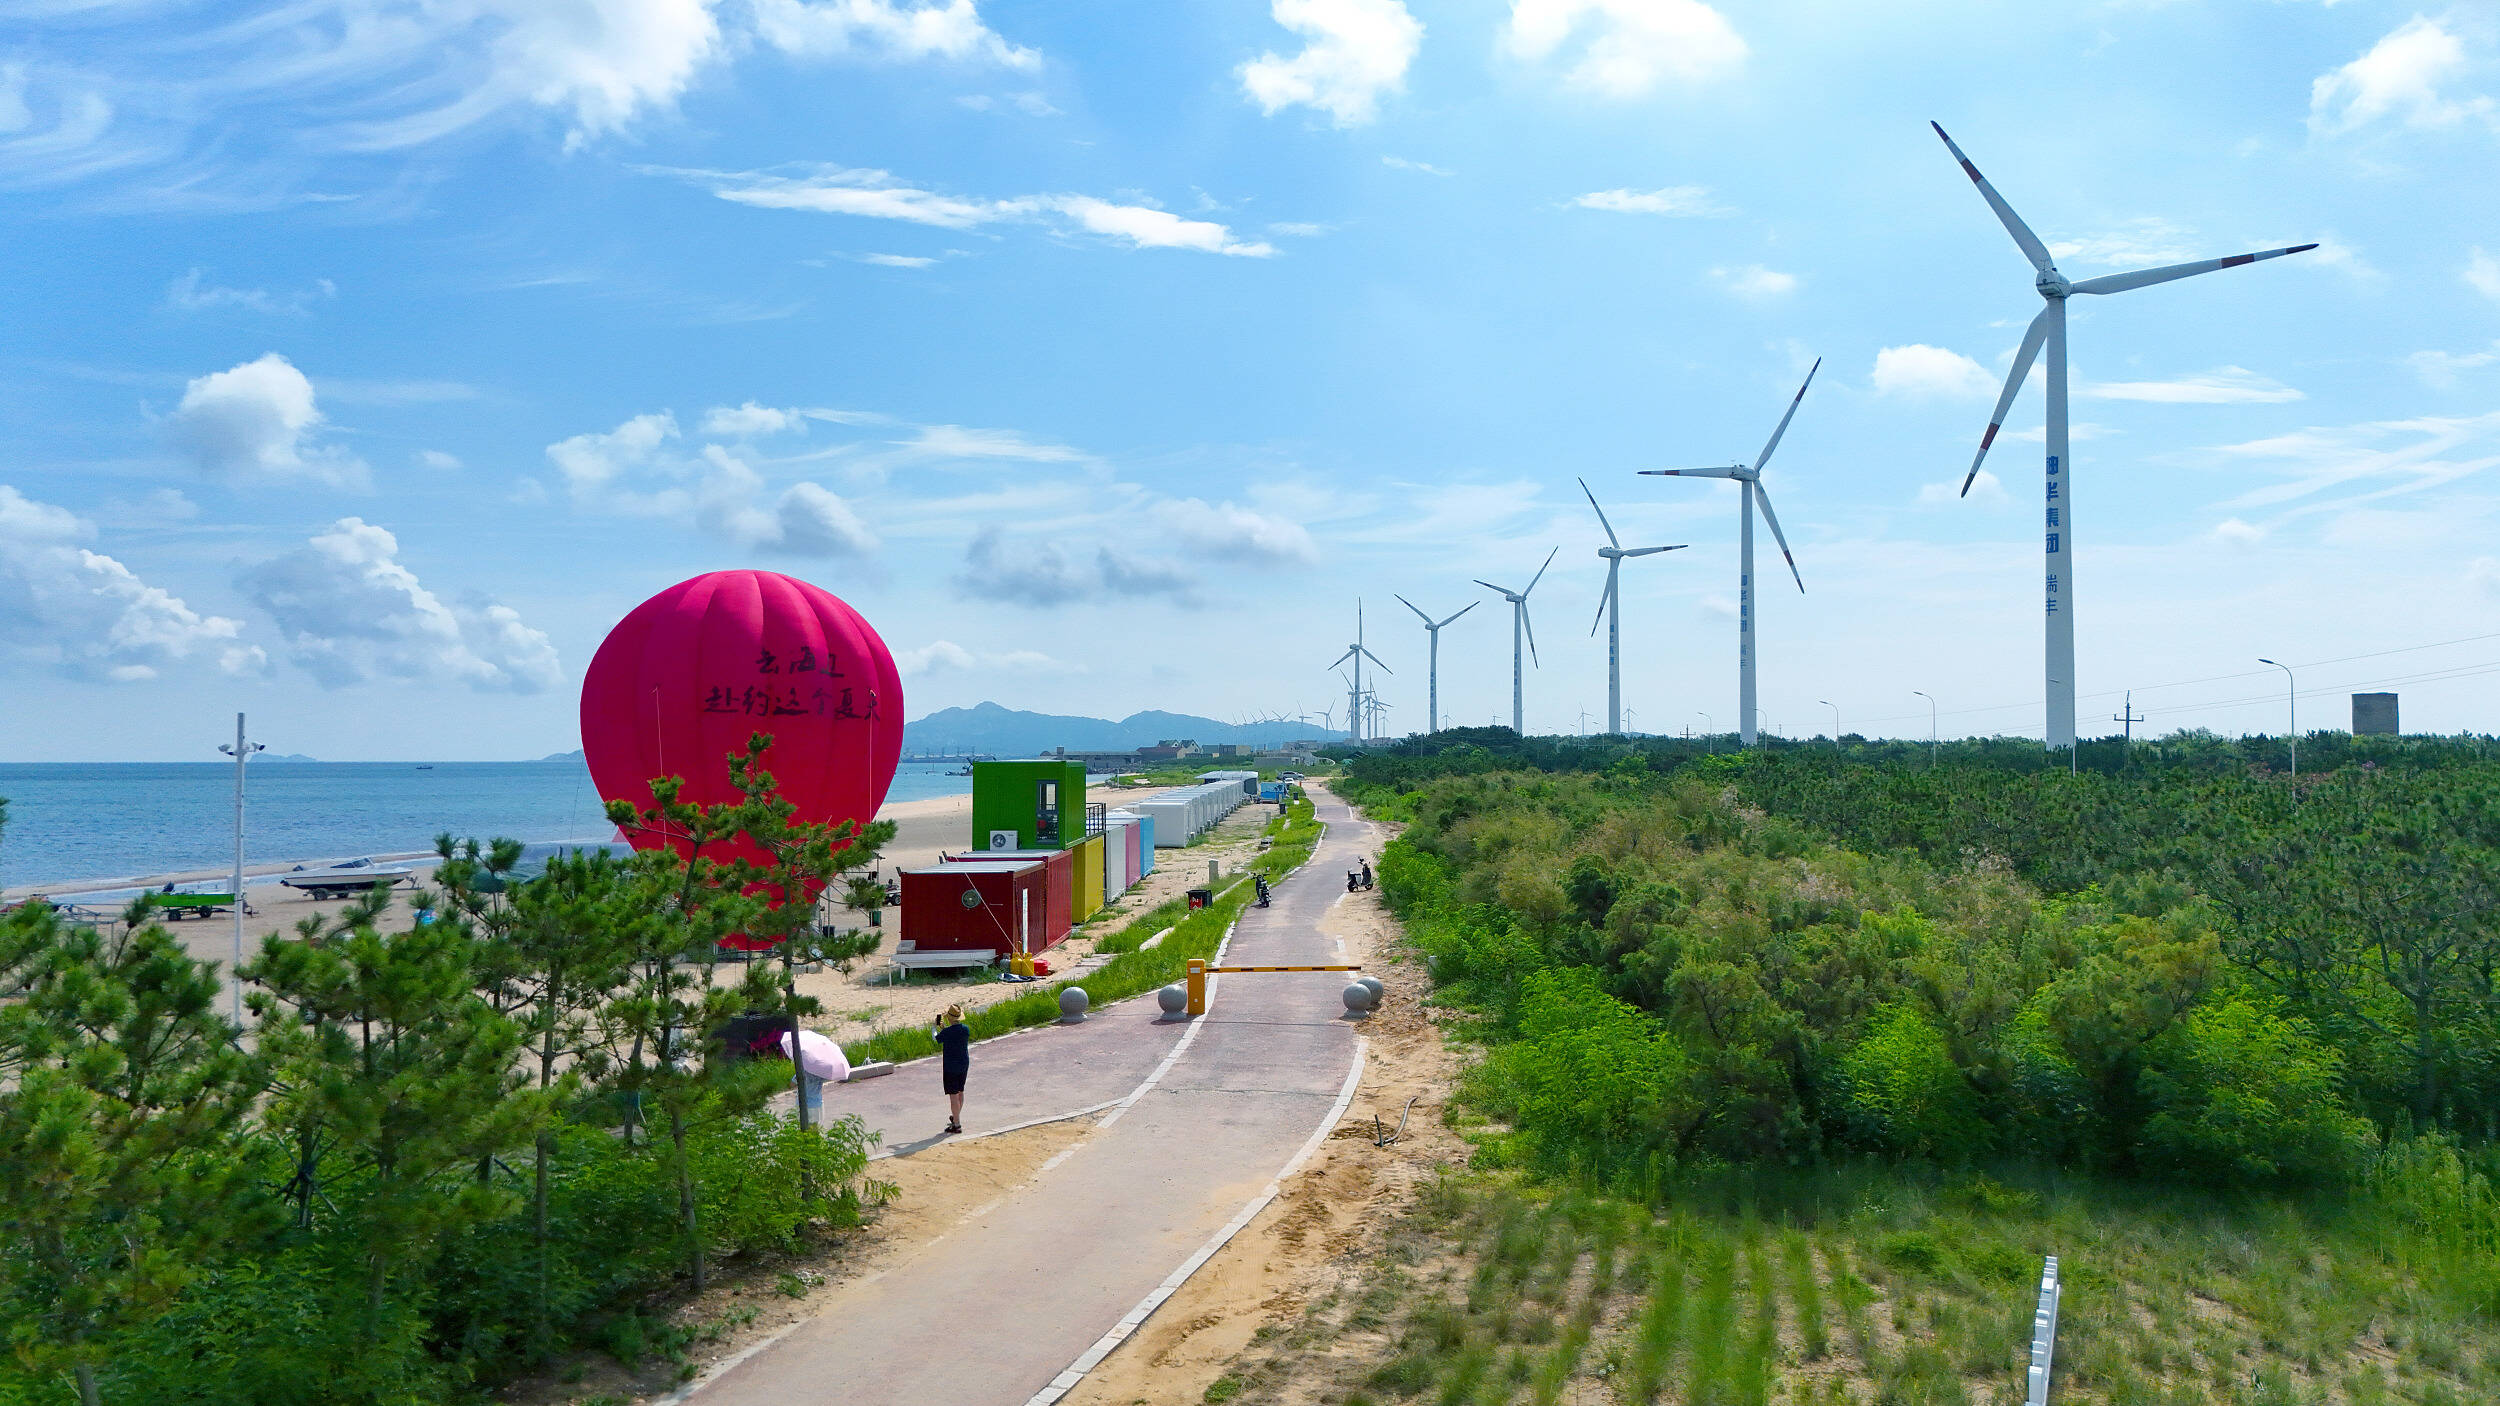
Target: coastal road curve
x,y
1198,1119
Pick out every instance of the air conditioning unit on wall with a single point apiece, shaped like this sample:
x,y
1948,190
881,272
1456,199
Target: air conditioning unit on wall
x,y
1005,839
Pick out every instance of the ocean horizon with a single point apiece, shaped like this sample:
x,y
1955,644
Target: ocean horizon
x,y
72,823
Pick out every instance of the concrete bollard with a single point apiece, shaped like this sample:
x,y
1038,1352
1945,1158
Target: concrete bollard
x,y
1358,999
1379,992
1174,999
1072,1004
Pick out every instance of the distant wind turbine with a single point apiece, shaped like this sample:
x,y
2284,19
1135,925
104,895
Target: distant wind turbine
x,y
1354,689
1749,478
1432,628
1518,622
1610,609
2050,328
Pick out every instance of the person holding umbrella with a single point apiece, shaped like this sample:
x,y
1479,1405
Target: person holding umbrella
x,y
954,1040
820,1062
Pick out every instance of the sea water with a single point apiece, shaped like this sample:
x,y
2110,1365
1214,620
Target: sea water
x,y
74,821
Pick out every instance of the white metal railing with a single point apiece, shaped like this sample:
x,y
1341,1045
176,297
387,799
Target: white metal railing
x,y
2043,1334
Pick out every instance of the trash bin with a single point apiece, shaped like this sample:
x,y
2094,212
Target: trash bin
x,y
1200,898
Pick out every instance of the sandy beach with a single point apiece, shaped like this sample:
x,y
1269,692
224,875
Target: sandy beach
x,y
856,1003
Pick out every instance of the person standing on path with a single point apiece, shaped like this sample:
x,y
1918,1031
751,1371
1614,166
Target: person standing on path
x,y
954,1063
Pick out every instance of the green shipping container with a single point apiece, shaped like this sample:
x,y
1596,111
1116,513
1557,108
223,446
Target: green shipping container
x,y
1042,801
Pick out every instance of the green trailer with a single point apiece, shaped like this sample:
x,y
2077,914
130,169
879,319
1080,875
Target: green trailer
x,y
177,906
1041,802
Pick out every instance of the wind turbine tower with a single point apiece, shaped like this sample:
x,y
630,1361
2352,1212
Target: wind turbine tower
x,y
1749,478
2049,328
1432,628
1354,689
1519,622
1610,610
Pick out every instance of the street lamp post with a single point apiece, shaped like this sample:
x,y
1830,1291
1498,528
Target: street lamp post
x,y
241,751
1835,721
1708,729
1931,723
2291,702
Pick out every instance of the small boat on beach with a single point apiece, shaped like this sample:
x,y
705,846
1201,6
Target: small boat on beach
x,y
348,876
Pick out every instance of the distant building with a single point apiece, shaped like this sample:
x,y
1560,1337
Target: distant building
x,y
2374,715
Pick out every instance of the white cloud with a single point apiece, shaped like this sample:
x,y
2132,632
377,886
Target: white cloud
x,y
636,470
351,613
1985,487
1631,45
942,656
257,420
1355,51
2232,532
1755,281
2400,78
1029,103
86,615
1667,200
2387,458
1718,606
437,460
938,29
965,442
870,194
1400,163
749,419
2482,274
2144,242
193,293
1230,530
898,261
2483,573
2229,385
1920,370
2439,369
1032,573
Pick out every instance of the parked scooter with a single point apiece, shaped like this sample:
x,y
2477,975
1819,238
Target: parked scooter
x,y
1258,884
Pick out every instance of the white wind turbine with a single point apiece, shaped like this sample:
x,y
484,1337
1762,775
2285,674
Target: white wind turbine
x,y
2050,328
1432,675
1518,622
1610,609
1354,687
1749,478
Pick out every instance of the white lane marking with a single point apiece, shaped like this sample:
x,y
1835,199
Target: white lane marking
x,y
1136,1317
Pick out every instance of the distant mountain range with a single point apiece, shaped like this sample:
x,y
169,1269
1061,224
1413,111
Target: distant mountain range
x,y
573,756
1012,732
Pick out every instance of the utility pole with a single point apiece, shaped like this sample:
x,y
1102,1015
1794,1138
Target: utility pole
x,y
241,751
2130,717
1931,723
2291,701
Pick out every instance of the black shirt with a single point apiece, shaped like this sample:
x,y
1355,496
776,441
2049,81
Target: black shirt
x,y
955,1042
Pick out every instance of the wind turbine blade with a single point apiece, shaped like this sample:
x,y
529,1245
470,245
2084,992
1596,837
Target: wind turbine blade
x,y
2146,278
1411,606
1540,571
1604,598
1651,551
1493,588
2033,249
1376,662
1342,658
1730,471
1470,606
1784,419
1772,520
2033,336
1531,627
1611,540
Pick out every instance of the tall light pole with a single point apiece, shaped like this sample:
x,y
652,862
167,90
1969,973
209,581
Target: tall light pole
x,y
2291,701
1931,723
241,751
1707,728
1835,721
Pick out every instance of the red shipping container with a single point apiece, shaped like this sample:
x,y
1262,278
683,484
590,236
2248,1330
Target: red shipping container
x,y
1052,922
974,907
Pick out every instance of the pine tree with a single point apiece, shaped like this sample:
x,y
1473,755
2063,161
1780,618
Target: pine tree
x,y
391,1072
125,1092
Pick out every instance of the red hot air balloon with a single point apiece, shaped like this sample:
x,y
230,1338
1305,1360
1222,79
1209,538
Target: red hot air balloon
x,y
683,681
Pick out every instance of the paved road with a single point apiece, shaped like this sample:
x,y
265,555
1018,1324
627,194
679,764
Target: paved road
x,y
990,1313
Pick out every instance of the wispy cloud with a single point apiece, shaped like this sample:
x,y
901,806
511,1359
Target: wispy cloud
x,y
194,293
2389,457
1354,53
1625,48
2229,385
871,194
2440,370
1666,200
1754,281
2482,274
1921,371
1400,163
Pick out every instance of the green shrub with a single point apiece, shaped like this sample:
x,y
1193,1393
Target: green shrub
x,y
2246,1095
1903,1092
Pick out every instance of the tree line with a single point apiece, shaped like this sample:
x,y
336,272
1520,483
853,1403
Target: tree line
x,y
429,1157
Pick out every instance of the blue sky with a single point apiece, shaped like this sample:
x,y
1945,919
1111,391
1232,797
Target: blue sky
x,y
367,359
